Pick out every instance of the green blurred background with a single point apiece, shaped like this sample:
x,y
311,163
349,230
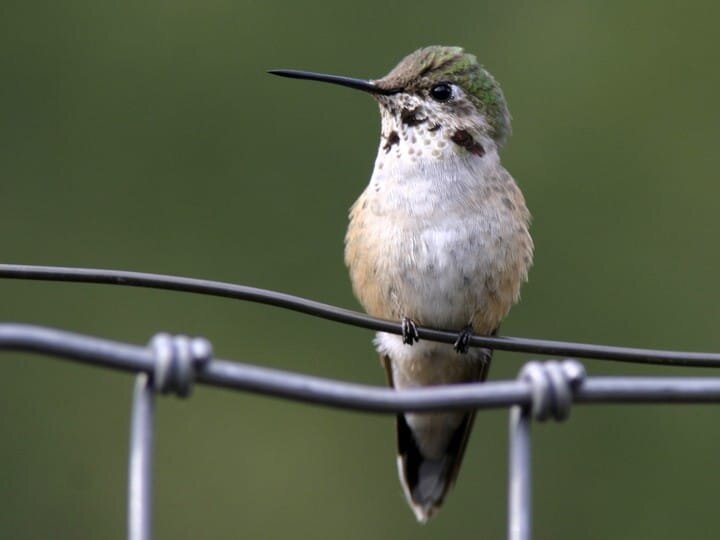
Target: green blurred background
x,y
147,136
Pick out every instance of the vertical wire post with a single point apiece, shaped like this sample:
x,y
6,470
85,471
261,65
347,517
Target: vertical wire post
x,y
520,479
140,463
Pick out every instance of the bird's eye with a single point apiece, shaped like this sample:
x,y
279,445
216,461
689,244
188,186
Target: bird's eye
x,y
441,92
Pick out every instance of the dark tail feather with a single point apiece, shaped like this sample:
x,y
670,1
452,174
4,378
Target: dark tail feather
x,y
427,481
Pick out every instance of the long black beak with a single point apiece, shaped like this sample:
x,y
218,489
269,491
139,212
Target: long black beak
x,y
350,82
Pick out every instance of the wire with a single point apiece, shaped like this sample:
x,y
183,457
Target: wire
x,y
346,316
346,395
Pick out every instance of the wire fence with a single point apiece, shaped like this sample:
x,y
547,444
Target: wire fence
x,y
172,364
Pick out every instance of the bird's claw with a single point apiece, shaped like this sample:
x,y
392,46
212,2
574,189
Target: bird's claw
x,y
409,331
462,343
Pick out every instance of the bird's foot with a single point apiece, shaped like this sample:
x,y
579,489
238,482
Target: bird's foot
x,y
409,331
462,343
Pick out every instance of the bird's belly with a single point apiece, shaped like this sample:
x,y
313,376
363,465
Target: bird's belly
x,y
437,279
440,272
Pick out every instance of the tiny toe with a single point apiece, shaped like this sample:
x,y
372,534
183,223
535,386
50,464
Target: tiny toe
x,y
462,343
409,331
460,346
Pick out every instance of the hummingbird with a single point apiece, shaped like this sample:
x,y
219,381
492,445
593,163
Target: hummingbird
x,y
439,238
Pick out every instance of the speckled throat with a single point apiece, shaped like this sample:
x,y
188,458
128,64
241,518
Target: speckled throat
x,y
415,129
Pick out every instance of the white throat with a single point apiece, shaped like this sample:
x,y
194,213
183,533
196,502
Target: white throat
x,y
422,170
422,146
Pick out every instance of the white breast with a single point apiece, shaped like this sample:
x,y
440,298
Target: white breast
x,y
442,236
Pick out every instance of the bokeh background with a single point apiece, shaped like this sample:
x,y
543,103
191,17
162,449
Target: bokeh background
x,y
147,136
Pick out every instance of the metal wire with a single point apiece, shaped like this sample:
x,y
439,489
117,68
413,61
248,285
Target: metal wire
x,y
541,390
522,395
174,363
346,316
519,476
553,387
344,395
140,461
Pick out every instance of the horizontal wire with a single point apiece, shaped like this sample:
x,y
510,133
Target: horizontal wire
x,y
346,316
352,396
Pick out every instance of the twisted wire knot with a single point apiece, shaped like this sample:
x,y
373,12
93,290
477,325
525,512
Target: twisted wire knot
x,y
552,386
176,360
